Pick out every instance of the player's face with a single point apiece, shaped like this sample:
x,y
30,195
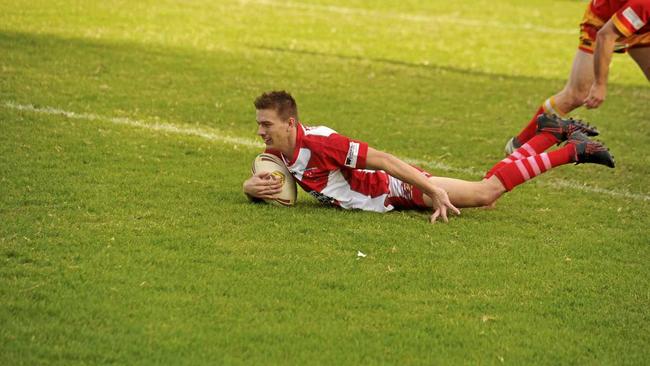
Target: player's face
x,y
272,129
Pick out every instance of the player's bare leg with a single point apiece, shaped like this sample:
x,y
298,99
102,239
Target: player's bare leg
x,y
642,57
577,87
464,193
569,98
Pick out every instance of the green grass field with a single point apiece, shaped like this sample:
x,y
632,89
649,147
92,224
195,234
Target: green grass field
x,y
126,130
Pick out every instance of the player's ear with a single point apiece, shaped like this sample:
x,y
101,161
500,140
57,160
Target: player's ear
x,y
292,122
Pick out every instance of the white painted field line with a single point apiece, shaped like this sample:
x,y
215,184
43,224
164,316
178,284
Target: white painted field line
x,y
452,20
207,134
582,187
442,166
215,135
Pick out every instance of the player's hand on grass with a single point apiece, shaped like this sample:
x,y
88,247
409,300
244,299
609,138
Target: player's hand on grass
x,y
263,185
441,204
596,96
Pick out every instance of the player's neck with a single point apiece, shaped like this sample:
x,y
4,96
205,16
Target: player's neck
x,y
289,146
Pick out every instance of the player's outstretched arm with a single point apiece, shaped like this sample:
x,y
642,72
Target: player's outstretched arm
x,y
397,168
605,43
262,185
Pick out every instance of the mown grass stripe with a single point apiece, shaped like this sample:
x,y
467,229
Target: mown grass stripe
x,y
447,19
215,135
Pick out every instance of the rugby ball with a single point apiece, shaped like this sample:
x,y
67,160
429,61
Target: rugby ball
x,y
274,165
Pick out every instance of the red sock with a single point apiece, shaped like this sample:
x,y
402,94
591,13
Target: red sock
x,y
534,146
529,131
513,174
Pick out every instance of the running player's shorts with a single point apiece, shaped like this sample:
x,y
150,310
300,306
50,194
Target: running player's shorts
x,y
404,196
590,26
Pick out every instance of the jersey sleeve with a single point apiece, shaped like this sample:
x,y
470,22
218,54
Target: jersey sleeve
x,y
632,16
341,151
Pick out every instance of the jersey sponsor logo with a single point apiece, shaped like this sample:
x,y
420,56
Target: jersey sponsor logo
x,y
633,18
353,153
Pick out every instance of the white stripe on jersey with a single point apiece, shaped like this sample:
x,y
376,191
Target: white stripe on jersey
x,y
339,189
633,18
318,131
395,187
298,168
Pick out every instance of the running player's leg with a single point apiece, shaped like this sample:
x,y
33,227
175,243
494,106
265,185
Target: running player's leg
x,y
642,58
577,88
464,193
570,98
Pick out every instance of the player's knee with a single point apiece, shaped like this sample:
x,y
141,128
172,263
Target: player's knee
x,y
489,192
486,196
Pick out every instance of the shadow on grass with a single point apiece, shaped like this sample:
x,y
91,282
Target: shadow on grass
x,y
443,105
430,67
157,72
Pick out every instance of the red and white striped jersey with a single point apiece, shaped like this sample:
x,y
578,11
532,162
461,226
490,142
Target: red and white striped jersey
x,y
331,167
629,16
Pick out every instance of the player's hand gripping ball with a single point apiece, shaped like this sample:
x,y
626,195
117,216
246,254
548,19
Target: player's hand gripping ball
x,y
274,165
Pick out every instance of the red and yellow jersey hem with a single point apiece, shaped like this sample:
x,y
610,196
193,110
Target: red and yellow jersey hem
x,y
621,26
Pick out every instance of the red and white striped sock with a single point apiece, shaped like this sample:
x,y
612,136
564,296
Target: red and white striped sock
x,y
519,171
534,146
